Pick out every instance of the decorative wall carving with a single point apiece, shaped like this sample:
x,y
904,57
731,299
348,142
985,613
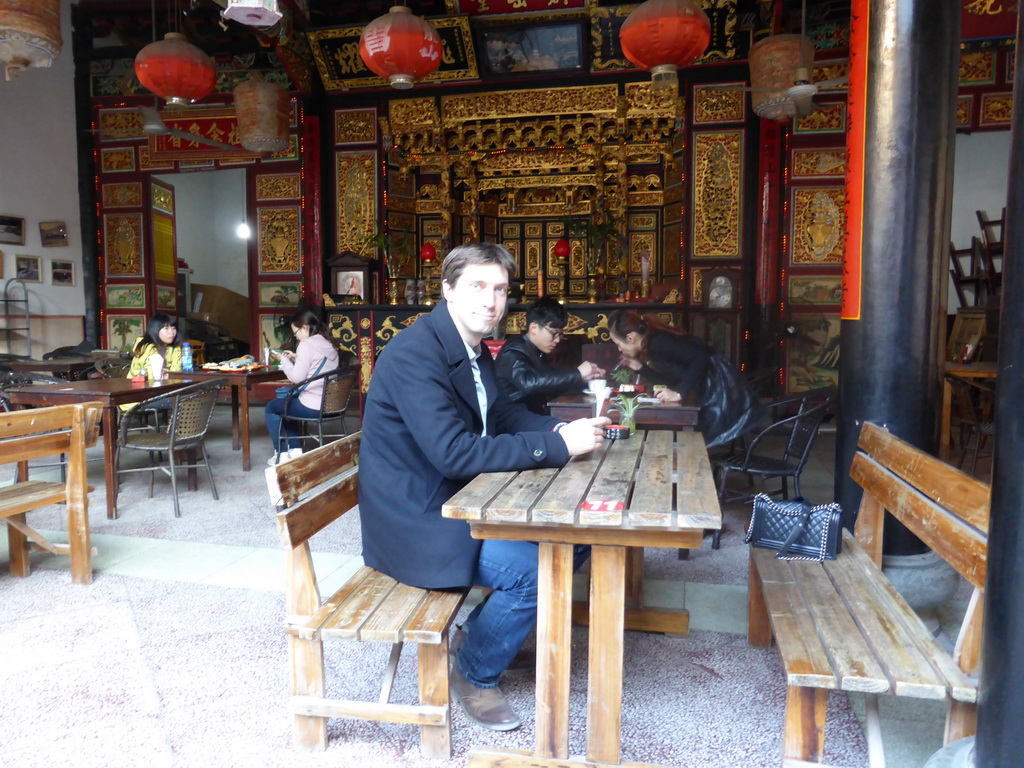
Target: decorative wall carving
x,y
127,195
278,186
122,244
818,225
356,188
717,193
280,244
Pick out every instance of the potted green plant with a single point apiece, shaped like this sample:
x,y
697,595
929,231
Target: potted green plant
x,y
626,407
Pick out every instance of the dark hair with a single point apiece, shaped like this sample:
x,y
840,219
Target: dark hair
x,y
459,258
310,319
623,322
546,311
156,324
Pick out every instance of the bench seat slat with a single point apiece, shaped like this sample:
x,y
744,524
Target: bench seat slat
x,y
430,624
311,629
883,623
31,494
389,618
805,660
354,612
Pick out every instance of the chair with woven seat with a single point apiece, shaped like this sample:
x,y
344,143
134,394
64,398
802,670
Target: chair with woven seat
x,y
334,403
780,450
973,401
191,409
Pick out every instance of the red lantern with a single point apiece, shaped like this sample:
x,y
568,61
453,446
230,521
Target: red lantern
x,y
561,249
401,47
175,70
664,35
428,252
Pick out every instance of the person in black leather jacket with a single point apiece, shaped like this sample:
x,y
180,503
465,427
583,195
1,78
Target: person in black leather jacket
x,y
525,375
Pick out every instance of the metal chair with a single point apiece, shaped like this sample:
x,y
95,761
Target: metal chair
x,y
779,450
334,403
973,400
190,414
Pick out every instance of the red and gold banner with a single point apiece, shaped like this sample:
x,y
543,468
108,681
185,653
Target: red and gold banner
x,y
983,19
855,137
478,7
217,124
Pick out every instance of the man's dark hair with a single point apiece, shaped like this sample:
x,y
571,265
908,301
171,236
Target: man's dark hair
x,y
546,311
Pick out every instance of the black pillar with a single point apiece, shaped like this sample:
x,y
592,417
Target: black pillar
x,y
1000,739
889,368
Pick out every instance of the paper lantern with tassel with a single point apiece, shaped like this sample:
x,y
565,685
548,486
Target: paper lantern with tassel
x,y
262,110
175,70
400,47
664,35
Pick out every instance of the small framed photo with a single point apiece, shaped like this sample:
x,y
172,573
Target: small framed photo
x,y
28,268
62,272
53,233
351,283
12,229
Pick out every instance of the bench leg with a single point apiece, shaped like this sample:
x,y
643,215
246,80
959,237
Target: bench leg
x,y
961,721
435,740
307,659
17,546
759,628
804,735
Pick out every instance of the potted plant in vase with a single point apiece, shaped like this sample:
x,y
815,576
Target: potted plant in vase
x,y
626,407
597,232
382,243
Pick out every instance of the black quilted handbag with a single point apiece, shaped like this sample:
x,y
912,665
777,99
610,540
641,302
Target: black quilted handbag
x,y
797,530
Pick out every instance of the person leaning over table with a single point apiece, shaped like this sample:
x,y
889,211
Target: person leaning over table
x,y
666,355
155,353
524,373
316,353
433,419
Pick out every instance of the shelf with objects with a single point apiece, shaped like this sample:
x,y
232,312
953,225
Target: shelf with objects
x,y
15,306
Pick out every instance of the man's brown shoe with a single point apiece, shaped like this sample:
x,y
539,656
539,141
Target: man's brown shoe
x,y
484,706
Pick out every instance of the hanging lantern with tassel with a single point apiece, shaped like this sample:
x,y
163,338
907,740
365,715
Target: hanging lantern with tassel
x,y
262,110
400,47
428,253
664,35
175,70
29,34
774,62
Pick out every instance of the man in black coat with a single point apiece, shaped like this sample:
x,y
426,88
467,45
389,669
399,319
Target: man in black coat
x,y
524,373
432,421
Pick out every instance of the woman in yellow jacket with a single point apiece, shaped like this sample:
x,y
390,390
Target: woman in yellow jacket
x,y
156,352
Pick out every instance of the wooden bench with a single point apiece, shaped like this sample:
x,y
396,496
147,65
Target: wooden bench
x,y
317,488
33,434
840,625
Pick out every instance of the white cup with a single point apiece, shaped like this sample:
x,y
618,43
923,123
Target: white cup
x,y
597,385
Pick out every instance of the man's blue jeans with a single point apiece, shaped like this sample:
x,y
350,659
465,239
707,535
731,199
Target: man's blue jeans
x,y
290,432
499,625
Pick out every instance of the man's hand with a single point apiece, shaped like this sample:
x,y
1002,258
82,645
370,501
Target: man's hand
x,y
590,371
668,396
584,435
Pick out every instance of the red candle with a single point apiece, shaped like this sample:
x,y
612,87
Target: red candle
x,y
540,282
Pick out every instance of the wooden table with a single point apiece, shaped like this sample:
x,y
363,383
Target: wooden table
x,y
967,371
111,393
241,383
651,416
652,490
66,367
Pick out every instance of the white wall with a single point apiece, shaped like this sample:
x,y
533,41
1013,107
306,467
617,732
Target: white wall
x,y
209,205
39,177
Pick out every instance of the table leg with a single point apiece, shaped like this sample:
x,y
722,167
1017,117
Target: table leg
x,y
246,456
110,470
945,421
554,641
234,415
607,624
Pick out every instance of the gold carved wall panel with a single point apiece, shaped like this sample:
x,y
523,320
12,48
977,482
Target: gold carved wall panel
x,y
818,225
717,194
278,186
127,195
355,126
122,244
818,163
712,106
117,160
356,194
280,243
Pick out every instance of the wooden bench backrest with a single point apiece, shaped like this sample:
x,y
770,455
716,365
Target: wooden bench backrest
x,y
335,463
945,508
37,432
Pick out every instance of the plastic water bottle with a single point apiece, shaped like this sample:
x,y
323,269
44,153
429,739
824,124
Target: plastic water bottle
x,y
186,356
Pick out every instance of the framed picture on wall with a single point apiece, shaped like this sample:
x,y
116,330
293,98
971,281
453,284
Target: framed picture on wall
x,y
62,272
350,281
28,268
514,51
12,229
53,233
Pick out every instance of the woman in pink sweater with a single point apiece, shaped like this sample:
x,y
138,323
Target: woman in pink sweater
x,y
316,353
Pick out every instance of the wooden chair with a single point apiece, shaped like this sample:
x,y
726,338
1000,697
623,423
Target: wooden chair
x,y
973,401
31,434
334,403
316,489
